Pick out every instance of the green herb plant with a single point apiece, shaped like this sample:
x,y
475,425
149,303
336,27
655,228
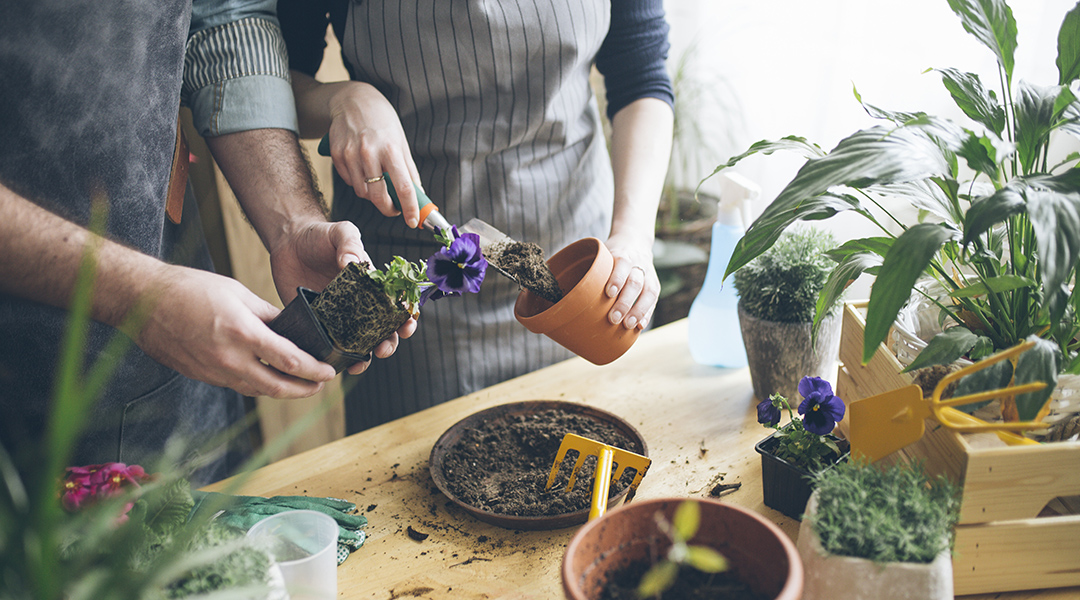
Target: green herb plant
x,y
665,572
783,283
94,553
893,513
402,280
999,220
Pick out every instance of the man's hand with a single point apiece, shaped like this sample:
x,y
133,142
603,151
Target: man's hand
x,y
213,329
314,255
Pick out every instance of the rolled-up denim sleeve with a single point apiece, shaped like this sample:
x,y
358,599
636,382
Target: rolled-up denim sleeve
x,y
236,69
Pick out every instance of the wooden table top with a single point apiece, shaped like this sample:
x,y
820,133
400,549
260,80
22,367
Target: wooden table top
x,y
699,422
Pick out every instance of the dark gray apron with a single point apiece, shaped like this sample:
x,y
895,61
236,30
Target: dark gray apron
x,y
88,106
495,100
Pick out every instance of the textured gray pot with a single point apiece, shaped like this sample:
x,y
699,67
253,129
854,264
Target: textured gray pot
x,y
780,354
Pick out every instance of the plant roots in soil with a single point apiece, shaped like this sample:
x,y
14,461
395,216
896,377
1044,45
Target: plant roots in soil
x,y
356,311
502,466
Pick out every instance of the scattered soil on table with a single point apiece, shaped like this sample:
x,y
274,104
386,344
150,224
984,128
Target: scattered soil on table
x,y
356,311
524,262
502,465
691,584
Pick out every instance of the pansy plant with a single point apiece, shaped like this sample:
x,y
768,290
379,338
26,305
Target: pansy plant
x,y
804,441
458,267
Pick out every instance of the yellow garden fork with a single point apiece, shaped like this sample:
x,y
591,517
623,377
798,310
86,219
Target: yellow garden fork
x,y
885,423
605,456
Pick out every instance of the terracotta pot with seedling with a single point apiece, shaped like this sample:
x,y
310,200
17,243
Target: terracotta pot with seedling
x,y
681,548
363,305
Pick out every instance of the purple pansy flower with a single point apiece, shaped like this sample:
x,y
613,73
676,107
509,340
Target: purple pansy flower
x,y
821,410
459,267
768,413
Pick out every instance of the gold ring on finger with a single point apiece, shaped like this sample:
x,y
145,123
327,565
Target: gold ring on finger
x,y
373,179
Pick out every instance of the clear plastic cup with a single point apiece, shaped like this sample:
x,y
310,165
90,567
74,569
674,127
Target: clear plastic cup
x,y
304,545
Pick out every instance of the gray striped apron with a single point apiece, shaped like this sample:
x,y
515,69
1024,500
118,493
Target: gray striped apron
x,y
495,100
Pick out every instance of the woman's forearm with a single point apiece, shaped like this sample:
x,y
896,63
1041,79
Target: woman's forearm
x,y
640,150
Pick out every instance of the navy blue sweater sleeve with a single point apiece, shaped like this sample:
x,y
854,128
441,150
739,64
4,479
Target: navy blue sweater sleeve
x,y
633,57
303,26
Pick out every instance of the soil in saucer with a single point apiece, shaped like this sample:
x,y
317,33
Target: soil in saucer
x,y
502,465
691,584
524,263
356,311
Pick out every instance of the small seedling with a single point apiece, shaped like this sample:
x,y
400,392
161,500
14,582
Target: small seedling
x,y
662,575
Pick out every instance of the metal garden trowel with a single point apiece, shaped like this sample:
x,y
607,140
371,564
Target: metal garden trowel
x,y
885,423
605,456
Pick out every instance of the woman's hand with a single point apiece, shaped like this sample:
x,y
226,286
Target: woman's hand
x,y
633,281
366,140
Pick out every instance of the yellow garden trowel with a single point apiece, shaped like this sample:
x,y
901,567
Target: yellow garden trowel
x,y
605,456
885,423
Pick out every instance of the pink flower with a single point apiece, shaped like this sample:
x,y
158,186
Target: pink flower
x,y
82,485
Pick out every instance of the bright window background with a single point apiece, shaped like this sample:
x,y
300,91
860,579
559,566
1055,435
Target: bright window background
x,y
786,67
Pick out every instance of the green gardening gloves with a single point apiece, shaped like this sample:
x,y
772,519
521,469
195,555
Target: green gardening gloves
x,y
244,511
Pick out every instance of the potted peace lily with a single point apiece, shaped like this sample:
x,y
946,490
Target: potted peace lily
x,y
803,447
998,219
879,531
363,305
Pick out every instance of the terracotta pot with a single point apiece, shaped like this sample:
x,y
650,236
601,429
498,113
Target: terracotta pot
x,y
785,486
832,577
579,321
759,553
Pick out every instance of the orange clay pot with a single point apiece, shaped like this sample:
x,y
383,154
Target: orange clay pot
x,y
579,322
758,552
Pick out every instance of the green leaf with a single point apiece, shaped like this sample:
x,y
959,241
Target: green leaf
x,y
1035,118
873,245
687,520
1040,363
978,151
996,285
793,143
928,195
878,113
983,347
871,156
992,23
849,269
996,208
944,348
978,103
706,560
1055,218
168,507
906,261
658,578
1068,59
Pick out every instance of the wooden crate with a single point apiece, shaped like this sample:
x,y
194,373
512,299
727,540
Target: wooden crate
x,y
1002,542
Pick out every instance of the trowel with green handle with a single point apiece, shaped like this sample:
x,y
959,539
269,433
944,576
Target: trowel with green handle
x,y
431,218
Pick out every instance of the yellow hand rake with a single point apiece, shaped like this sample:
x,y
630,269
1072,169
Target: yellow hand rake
x,y
885,423
605,456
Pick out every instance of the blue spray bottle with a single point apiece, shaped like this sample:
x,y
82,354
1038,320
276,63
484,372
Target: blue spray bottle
x,y
715,338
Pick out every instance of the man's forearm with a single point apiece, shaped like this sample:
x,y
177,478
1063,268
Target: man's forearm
x,y
41,256
271,179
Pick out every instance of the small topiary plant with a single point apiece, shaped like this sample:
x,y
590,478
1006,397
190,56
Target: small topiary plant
x,y
782,285
885,514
